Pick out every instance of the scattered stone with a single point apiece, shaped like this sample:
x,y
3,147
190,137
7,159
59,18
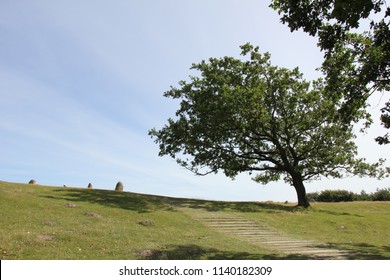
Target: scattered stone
x,y
119,187
147,223
90,186
342,227
32,182
70,205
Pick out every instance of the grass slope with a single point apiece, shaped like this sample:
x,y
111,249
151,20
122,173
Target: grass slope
x,y
40,222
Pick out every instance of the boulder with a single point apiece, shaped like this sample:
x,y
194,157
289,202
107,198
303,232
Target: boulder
x,y
90,186
32,182
119,187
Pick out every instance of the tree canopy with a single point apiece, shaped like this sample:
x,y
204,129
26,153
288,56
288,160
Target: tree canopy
x,y
250,116
355,38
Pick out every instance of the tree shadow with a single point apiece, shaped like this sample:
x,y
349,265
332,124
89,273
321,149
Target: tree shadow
x,y
147,203
363,251
339,213
195,252
142,203
123,200
215,206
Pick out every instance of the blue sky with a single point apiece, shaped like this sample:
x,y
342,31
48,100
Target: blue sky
x,y
81,83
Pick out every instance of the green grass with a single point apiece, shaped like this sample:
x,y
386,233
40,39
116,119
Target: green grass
x,y
363,228
40,222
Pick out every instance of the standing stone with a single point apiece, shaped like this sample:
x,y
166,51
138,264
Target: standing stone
x,y
90,186
32,182
119,187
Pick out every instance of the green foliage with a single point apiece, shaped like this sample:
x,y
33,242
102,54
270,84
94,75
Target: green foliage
x,y
335,196
381,195
244,116
357,61
363,196
385,118
343,195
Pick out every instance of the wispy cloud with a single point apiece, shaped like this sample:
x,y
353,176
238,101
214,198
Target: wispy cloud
x,y
81,83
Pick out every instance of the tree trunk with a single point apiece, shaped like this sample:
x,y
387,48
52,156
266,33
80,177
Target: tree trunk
x,y
300,189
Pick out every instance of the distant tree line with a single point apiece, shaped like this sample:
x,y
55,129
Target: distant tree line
x,y
343,195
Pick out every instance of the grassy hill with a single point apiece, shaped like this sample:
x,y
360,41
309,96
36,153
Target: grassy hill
x,y
41,222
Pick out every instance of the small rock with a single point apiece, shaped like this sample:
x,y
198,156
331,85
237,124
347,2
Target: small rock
x,y
147,223
70,205
146,253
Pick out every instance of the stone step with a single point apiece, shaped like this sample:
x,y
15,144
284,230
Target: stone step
x,y
236,226
316,252
287,242
231,222
227,220
249,229
263,234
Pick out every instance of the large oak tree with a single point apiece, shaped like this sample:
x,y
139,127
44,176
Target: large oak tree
x,y
249,116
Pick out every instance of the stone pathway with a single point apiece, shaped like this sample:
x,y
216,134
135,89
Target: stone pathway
x,y
263,236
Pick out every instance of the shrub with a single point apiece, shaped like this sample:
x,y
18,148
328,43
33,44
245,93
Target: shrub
x,y
335,196
381,195
343,195
363,196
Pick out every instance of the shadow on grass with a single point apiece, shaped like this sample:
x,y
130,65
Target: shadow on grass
x,y
364,251
195,252
215,206
123,200
339,213
145,203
